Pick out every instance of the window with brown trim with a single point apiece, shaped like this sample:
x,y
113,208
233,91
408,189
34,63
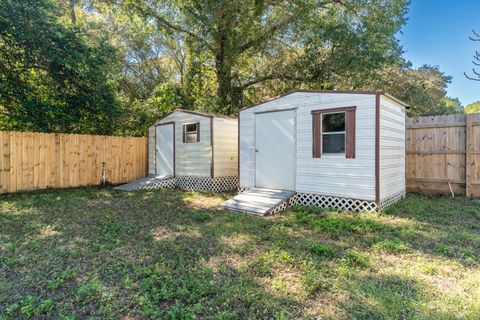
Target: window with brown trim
x,y
334,132
191,132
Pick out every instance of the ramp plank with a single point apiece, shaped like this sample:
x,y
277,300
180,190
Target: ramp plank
x,y
257,200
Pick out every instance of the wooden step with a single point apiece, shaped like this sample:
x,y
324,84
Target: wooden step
x,y
258,200
140,184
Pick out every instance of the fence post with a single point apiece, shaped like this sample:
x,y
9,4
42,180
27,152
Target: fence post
x,y
472,185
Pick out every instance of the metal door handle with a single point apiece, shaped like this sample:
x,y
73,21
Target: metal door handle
x,y
256,150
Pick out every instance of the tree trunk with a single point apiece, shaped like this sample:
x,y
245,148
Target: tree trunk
x,y
73,18
224,87
224,75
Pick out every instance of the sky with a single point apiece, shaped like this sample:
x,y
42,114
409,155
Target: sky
x,y
436,33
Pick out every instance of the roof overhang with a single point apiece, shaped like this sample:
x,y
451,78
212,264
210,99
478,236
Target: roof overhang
x,y
373,92
197,113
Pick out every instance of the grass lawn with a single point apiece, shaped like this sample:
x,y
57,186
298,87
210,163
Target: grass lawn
x,y
97,253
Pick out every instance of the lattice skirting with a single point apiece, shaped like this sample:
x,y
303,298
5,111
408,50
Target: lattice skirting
x,y
161,184
217,184
385,203
323,201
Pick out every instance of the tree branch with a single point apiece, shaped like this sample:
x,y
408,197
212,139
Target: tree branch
x,y
470,78
280,25
476,61
266,35
477,36
162,21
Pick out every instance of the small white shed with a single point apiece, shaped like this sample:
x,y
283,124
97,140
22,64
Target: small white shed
x,y
194,151
341,149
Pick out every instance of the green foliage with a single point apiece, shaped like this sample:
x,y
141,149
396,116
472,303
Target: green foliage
x,y
89,292
322,250
448,106
234,266
314,280
53,77
473,107
392,246
356,258
423,88
237,48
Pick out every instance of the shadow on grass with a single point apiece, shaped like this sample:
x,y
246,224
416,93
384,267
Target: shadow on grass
x,y
98,253
171,254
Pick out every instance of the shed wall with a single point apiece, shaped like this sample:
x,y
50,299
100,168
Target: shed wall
x,y
151,150
392,148
191,159
225,142
335,176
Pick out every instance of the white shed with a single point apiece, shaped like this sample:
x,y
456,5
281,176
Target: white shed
x,y
194,151
341,149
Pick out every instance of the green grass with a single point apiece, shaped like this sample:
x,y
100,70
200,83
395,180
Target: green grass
x,y
100,254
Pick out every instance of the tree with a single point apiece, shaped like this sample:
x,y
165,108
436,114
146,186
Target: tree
x,y
250,43
473,107
423,88
476,60
448,106
52,77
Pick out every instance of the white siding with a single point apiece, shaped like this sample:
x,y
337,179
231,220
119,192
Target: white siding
x,y
225,141
353,178
392,148
151,150
191,159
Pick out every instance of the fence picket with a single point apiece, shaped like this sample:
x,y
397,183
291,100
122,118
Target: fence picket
x,y
34,161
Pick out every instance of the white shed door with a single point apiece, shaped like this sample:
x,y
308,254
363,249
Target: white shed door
x,y
165,160
275,150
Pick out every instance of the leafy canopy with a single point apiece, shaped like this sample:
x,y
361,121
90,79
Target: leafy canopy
x,y
52,77
248,43
473,107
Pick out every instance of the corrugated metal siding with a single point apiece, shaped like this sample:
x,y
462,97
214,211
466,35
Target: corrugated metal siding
x,y
392,148
151,150
225,155
191,159
337,176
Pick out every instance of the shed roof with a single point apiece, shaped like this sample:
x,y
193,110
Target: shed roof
x,y
197,113
372,92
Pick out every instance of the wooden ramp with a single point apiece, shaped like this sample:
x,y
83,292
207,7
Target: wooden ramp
x,y
258,201
141,184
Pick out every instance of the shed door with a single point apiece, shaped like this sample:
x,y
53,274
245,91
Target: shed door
x,y
165,156
275,150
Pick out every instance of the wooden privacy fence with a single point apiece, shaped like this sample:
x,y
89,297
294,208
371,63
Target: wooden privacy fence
x,y
33,161
443,154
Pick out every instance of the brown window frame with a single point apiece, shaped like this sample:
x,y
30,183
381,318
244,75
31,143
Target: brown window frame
x,y
185,132
317,132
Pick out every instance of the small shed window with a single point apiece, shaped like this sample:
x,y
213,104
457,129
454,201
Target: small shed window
x,y
334,132
191,132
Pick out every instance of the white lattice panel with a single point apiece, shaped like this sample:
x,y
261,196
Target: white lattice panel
x,y
284,205
347,204
161,184
217,184
385,203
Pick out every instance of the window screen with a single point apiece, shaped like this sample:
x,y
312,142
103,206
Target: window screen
x,y
191,132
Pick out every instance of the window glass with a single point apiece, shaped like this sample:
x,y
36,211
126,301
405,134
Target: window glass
x,y
333,143
333,133
191,132
333,122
